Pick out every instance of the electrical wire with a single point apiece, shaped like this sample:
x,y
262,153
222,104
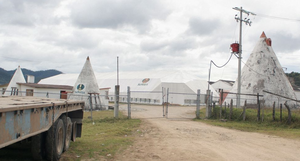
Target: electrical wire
x,y
279,18
253,70
224,64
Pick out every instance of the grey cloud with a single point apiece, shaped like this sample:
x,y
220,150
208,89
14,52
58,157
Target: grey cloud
x,y
115,13
73,41
202,27
153,45
26,13
176,46
283,42
182,44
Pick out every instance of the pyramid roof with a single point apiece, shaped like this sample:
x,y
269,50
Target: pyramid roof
x,y
86,81
18,77
264,72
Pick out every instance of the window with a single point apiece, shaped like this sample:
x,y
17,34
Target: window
x,y
63,95
106,95
29,92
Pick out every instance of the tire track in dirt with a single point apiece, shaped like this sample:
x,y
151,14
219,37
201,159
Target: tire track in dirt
x,y
184,139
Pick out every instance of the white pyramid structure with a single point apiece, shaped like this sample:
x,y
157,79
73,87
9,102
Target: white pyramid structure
x,y
86,85
18,77
263,72
86,82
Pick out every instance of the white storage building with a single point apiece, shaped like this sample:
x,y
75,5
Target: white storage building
x,y
146,86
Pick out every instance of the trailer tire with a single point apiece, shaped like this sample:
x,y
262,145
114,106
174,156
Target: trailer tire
x,y
55,141
38,147
64,119
68,134
74,131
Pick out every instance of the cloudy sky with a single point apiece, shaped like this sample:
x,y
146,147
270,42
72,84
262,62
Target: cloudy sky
x,y
145,34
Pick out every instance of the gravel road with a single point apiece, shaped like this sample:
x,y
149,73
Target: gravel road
x,y
178,138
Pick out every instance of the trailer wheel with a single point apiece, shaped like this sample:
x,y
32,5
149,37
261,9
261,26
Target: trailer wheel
x,y
55,141
38,146
64,119
68,134
74,131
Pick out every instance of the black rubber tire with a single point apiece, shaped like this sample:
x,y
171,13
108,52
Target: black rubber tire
x,y
68,134
38,147
74,131
64,119
55,141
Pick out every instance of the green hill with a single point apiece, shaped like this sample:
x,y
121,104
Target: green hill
x,y
5,75
294,78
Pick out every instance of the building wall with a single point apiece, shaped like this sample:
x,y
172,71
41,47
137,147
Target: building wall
x,y
222,85
179,93
297,94
42,92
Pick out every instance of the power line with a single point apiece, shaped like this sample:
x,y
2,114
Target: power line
x,y
253,70
279,18
224,64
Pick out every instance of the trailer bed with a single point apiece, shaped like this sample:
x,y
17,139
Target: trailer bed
x,y
23,117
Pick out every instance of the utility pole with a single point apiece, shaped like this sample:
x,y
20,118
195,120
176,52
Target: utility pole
x,y
117,70
247,22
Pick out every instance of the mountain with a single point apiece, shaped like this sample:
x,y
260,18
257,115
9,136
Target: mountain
x,y
5,75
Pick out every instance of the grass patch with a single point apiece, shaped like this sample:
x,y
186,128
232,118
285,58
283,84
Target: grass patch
x,y
268,126
99,141
103,139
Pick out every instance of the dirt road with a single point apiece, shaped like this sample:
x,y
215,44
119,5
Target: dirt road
x,y
181,139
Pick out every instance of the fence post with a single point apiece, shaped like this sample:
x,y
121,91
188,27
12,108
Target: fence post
x,y
91,106
96,103
225,111
167,106
244,111
211,100
163,101
258,108
289,113
214,110
231,107
101,108
281,112
263,110
221,104
274,111
117,96
207,114
198,105
128,102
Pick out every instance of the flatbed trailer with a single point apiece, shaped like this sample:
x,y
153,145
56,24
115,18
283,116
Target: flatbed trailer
x,y
50,124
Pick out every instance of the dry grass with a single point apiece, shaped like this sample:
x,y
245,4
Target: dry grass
x,y
268,126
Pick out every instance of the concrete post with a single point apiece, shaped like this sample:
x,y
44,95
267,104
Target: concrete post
x,y
198,105
163,101
207,114
128,102
117,96
91,106
167,106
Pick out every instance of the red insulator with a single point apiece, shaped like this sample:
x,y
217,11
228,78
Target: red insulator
x,y
235,47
